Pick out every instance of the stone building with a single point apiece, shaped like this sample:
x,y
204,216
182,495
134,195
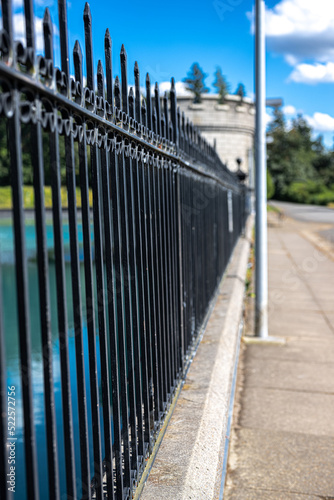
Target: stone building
x,y
231,126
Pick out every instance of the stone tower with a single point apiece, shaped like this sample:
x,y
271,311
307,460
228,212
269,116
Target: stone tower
x,y
231,126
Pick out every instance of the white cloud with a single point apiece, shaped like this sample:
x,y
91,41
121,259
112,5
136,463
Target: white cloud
x,y
302,29
180,88
294,16
289,110
19,28
313,73
268,119
321,122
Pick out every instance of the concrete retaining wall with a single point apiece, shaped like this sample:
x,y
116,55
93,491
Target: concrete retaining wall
x,y
189,462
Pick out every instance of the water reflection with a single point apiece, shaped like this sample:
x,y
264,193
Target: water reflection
x,y
10,322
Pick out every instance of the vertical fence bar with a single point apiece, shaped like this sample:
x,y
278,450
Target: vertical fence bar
x,y
95,179
154,208
36,153
14,146
116,186
178,258
152,264
141,257
3,407
44,299
133,243
175,272
127,274
75,272
112,302
108,460
148,290
166,283
60,281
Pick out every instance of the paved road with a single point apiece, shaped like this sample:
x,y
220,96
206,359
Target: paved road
x,y
309,213
306,213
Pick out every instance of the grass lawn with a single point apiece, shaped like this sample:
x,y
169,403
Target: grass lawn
x,y
271,208
29,197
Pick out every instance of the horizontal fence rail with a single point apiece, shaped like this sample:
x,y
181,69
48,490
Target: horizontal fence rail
x,y
112,283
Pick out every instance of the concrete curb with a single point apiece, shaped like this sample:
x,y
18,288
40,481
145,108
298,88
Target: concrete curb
x,y
189,462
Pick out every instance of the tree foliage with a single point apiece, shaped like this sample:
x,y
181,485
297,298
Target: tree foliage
x,y
195,82
27,169
221,85
299,165
241,91
270,186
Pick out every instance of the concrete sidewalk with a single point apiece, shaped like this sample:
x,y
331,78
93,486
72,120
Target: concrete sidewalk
x,y
283,432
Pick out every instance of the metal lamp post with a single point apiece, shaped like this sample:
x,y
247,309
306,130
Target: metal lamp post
x,y
261,276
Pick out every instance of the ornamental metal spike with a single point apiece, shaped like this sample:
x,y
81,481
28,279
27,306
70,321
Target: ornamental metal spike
x,y
137,93
171,131
87,17
148,102
87,14
144,113
108,59
117,93
173,106
154,121
157,106
48,34
184,128
131,103
166,114
63,36
7,18
124,76
100,79
29,21
179,127
163,126
77,58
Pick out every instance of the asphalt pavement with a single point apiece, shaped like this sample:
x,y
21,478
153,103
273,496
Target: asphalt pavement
x,y
322,216
306,213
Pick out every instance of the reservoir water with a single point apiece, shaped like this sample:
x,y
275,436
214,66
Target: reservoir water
x,y
10,322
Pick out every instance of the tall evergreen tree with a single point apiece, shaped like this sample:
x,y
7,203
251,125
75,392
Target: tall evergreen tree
x,y
241,91
195,82
221,85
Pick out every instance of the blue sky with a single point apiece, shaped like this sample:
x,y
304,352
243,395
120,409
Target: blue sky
x,y
166,38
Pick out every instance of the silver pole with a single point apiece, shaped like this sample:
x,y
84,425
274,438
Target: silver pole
x,y
261,256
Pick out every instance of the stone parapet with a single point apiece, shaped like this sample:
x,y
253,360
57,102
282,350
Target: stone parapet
x,y
230,125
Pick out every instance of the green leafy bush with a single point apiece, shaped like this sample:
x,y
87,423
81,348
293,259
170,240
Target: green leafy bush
x,y
310,192
270,186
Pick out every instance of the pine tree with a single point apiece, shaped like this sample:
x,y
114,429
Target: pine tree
x,y
221,85
195,82
241,92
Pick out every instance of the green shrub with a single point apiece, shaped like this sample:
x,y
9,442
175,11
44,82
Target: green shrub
x,y
270,186
310,192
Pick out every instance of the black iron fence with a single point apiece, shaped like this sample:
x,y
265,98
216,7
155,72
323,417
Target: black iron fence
x,y
125,280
